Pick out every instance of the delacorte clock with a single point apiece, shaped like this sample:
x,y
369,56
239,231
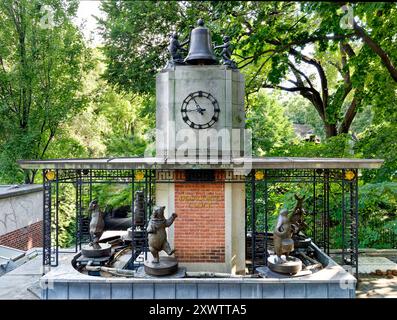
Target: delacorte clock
x,y
200,110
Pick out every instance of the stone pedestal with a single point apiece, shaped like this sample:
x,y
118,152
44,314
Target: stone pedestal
x,y
91,252
165,267
290,265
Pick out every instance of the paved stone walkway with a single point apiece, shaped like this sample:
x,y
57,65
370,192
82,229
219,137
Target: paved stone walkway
x,y
366,264
376,287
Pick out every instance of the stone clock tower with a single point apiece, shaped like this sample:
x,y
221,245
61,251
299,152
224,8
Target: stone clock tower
x,y
200,115
200,105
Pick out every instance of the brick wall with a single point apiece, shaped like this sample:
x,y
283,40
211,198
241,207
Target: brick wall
x,y
24,238
199,234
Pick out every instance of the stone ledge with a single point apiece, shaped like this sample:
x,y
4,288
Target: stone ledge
x,y
8,191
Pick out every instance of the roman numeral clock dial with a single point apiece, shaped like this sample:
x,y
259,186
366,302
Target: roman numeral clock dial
x,y
200,110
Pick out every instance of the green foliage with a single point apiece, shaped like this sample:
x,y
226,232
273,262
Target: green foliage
x,y
67,216
379,141
340,146
115,123
271,129
135,34
41,80
112,195
299,111
130,119
378,214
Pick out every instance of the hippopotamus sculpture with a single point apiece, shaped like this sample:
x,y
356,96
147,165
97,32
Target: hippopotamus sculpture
x,y
157,236
97,224
282,235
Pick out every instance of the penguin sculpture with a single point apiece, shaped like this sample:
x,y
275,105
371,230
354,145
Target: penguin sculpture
x,y
97,224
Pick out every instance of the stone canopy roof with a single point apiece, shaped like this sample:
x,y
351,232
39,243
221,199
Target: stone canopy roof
x,y
186,163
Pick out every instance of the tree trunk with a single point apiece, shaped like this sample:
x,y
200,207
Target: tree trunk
x,y
330,130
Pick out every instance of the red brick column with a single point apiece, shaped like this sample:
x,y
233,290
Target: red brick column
x,y
24,238
199,231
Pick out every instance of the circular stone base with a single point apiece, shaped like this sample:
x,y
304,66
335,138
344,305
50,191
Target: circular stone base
x,y
180,273
90,252
291,266
166,266
265,272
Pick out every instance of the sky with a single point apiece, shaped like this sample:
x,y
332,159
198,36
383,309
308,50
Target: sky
x,y
87,9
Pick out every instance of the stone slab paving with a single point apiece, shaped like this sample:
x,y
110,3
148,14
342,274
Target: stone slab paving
x,y
373,286
376,287
367,265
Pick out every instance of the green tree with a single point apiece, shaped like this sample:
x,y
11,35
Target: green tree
x,y
272,132
271,41
130,118
135,35
300,111
115,122
42,62
379,141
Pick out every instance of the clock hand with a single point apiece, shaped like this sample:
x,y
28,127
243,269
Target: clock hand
x,y
199,109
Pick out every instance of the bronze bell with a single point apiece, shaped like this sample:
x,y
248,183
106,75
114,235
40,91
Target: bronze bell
x,y
200,49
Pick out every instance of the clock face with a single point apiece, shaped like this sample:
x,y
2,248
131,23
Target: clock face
x,y
200,110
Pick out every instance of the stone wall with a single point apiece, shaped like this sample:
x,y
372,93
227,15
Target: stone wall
x,y
21,211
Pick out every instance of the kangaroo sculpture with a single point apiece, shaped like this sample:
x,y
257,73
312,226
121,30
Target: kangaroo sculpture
x,y
297,216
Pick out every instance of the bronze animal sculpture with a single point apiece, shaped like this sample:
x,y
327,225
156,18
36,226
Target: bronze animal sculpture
x,y
97,224
297,216
282,235
157,236
175,48
226,52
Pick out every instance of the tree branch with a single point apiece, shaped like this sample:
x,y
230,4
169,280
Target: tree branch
x,y
346,49
349,115
298,72
321,73
376,49
294,89
310,40
253,57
